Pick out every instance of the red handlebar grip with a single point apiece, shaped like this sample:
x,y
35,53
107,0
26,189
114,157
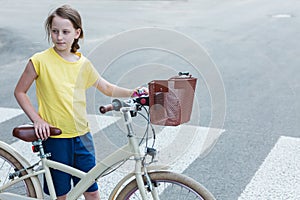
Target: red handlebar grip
x,y
106,108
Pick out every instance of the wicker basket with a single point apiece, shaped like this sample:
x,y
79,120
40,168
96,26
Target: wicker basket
x,y
171,101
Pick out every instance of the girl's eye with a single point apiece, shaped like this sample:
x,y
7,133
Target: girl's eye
x,y
66,32
54,31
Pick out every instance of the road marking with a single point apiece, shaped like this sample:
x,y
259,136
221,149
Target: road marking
x,y
100,122
178,147
8,113
279,175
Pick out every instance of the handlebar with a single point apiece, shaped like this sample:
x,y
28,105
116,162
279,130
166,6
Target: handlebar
x,y
117,104
106,108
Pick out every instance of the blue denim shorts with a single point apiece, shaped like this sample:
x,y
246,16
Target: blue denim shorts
x,y
78,152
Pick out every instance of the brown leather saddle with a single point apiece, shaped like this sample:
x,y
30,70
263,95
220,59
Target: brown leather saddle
x,y
27,132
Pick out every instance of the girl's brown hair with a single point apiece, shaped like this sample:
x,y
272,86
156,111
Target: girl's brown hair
x,y
66,12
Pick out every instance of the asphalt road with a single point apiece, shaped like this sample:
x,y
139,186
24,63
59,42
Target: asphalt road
x,y
253,45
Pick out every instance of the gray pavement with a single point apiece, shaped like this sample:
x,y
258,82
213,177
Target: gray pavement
x,y
253,43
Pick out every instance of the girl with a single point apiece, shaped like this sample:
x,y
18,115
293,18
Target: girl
x,y
62,74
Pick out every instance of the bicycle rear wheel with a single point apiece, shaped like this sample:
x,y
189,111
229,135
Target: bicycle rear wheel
x,y
169,185
10,164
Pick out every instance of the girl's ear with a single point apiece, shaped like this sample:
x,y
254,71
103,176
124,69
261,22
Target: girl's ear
x,y
77,32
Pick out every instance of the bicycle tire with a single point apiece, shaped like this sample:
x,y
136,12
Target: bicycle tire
x,y
10,164
172,184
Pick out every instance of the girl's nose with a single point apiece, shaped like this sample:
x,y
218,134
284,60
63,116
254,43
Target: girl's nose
x,y
59,35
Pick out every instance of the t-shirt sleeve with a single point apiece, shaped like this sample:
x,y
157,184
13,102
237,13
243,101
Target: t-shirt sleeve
x,y
36,63
92,74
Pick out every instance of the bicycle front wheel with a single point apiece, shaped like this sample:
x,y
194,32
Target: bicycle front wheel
x,y
170,186
10,164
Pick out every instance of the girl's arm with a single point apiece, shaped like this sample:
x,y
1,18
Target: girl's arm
x,y
42,128
112,90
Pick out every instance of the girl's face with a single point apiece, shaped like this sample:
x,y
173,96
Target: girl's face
x,y
63,34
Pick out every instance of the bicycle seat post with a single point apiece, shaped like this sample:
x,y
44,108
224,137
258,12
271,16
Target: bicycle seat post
x,y
38,147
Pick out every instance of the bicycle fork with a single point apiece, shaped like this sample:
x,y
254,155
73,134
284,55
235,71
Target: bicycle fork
x,y
150,186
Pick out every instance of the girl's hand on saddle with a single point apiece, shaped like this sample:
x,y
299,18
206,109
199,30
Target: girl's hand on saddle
x,y
42,129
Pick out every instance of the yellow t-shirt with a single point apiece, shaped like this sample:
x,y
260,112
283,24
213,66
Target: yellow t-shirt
x,y
61,91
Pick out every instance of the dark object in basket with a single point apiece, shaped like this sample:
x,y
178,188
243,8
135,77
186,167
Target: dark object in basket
x,y
171,100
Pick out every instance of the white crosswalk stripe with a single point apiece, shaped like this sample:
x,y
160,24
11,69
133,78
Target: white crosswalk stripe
x,y
178,147
279,176
8,113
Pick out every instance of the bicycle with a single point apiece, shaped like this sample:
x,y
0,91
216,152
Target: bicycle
x,y
145,182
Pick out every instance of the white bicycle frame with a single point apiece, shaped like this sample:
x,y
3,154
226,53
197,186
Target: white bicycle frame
x,y
131,149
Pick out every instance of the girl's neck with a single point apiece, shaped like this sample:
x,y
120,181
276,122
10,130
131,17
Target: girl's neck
x,y
67,55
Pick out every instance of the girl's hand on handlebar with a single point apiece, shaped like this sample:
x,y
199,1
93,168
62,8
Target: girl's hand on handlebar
x,y
140,91
42,129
